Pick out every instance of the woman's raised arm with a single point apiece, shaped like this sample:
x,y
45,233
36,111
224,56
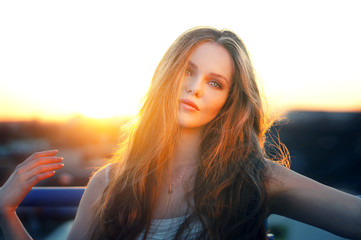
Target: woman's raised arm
x,y
303,199
37,167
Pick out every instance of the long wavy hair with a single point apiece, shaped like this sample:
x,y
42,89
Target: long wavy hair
x,y
229,193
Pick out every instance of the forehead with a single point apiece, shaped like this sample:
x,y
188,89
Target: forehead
x,y
210,57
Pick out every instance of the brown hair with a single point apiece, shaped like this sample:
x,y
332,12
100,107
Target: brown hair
x,y
229,193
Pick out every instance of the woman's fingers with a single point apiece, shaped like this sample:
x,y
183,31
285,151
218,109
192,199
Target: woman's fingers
x,y
29,177
43,169
43,161
37,159
42,172
41,176
36,155
47,160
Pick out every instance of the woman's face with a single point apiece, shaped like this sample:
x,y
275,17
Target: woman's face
x,y
205,86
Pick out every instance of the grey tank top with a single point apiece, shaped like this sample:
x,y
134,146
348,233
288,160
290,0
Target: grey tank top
x,y
166,228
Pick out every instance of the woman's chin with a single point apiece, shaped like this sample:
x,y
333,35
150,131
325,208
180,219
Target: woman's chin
x,y
188,125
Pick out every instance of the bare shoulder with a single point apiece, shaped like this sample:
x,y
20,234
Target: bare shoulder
x,y
298,197
92,194
96,186
98,180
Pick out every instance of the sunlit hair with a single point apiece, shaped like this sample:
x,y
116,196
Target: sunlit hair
x,y
229,192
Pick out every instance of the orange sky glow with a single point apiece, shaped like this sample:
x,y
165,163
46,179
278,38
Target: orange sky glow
x,y
60,59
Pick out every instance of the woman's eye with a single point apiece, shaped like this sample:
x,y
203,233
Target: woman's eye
x,y
215,84
188,72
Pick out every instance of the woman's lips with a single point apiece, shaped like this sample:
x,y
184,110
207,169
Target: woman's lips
x,y
189,105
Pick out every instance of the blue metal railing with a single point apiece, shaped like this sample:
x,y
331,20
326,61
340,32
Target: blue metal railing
x,y
53,197
54,202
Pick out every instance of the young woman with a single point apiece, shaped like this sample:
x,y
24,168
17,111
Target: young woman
x,y
194,164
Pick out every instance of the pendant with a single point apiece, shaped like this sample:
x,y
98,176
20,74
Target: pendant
x,y
170,190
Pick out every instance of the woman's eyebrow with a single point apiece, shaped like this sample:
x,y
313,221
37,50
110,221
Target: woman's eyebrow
x,y
194,66
219,76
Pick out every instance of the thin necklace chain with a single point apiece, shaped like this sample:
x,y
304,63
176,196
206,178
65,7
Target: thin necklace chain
x,y
175,181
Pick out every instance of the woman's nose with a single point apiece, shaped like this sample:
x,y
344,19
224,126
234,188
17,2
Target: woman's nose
x,y
194,86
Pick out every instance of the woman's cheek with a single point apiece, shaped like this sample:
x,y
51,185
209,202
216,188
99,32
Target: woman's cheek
x,y
212,112
217,106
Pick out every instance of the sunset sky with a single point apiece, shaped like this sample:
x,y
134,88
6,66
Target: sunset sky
x,y
96,58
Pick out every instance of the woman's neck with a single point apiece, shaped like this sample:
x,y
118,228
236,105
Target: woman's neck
x,y
187,147
179,176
